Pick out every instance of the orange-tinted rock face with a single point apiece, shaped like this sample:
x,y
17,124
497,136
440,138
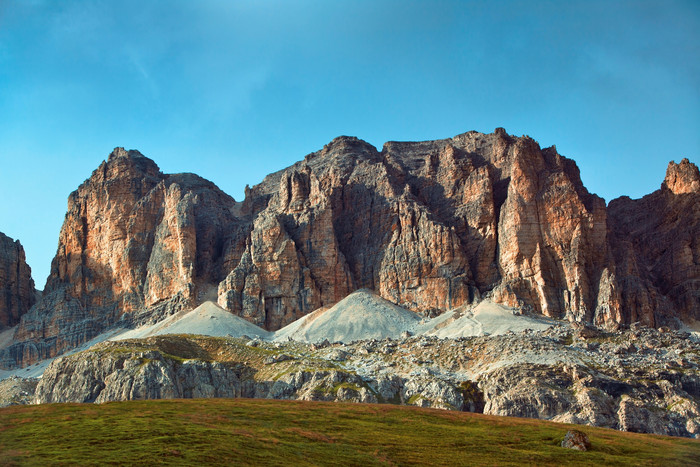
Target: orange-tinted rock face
x,y
17,293
428,225
682,178
552,237
433,225
95,261
656,241
134,243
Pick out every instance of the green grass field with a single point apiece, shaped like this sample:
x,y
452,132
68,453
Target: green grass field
x,y
272,432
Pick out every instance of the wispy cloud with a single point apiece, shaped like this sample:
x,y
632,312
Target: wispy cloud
x,y
135,60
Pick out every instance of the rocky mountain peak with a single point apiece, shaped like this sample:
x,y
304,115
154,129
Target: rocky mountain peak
x,y
128,164
682,178
121,153
118,152
344,145
343,141
500,131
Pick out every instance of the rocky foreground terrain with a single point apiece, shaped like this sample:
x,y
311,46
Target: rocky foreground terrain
x,y
641,380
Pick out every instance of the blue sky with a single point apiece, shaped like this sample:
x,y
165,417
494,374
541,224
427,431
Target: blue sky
x,y
233,90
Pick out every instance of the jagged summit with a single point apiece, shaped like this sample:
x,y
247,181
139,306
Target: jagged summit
x,y
350,142
121,159
683,177
338,150
194,182
120,152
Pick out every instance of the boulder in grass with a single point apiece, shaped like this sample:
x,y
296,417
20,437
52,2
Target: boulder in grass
x,y
575,439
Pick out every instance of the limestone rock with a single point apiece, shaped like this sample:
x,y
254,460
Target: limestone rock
x,y
656,245
146,375
527,391
17,391
429,226
431,392
17,294
682,178
575,439
653,389
135,244
174,367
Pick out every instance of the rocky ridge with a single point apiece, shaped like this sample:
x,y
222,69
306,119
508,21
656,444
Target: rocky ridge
x,y
641,380
430,226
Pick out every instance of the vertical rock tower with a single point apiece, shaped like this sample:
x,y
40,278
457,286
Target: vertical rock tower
x,y
17,293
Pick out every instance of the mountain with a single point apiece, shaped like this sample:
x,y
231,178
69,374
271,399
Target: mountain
x,y
133,239
429,226
17,293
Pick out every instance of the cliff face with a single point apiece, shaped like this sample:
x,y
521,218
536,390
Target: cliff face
x,y
657,247
17,293
428,225
135,244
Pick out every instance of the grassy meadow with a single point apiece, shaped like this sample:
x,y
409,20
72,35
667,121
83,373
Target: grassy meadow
x,y
273,432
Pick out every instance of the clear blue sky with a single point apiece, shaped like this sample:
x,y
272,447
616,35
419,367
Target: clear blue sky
x,y
233,90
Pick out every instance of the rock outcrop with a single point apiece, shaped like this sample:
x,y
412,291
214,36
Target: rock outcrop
x,y
438,224
639,380
144,375
429,226
17,391
575,439
17,293
124,371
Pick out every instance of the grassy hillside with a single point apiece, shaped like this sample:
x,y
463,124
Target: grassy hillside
x,y
272,432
